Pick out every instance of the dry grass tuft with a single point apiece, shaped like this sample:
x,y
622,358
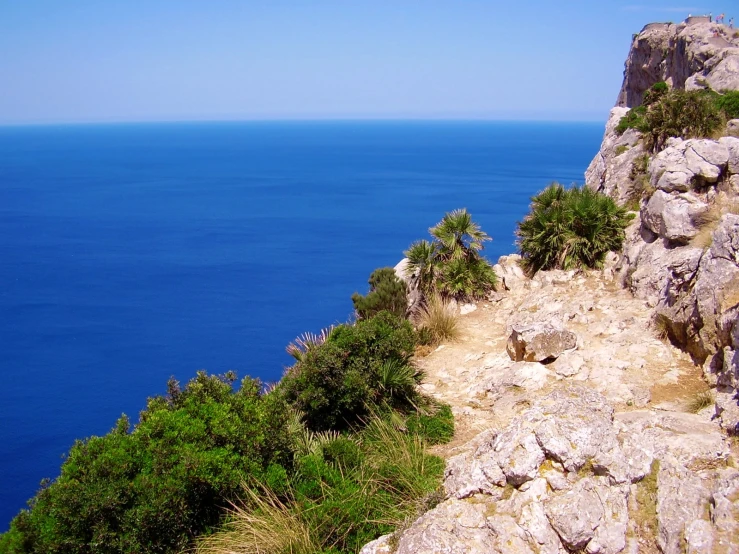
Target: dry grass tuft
x,y
645,517
708,221
700,401
661,326
440,318
263,525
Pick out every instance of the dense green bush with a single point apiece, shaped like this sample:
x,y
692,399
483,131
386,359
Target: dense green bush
x,y
153,489
451,264
570,228
677,113
338,500
357,368
387,292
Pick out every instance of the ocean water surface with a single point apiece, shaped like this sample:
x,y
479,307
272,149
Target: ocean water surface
x,y
132,253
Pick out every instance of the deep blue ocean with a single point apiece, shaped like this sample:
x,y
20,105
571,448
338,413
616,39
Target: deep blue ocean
x,y
131,253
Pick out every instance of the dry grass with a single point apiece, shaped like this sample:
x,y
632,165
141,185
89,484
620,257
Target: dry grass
x,y
660,324
263,525
645,517
441,319
701,401
708,221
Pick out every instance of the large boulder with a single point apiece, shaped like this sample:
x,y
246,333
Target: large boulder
x,y
686,164
539,342
673,216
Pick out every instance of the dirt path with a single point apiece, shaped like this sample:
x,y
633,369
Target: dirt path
x,y
618,353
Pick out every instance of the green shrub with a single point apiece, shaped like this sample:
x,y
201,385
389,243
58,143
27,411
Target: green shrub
x,y
155,488
682,114
570,228
634,119
436,426
451,264
339,382
728,103
677,113
352,493
387,292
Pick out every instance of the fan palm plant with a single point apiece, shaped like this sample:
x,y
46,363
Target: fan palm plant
x,y
451,265
459,237
570,228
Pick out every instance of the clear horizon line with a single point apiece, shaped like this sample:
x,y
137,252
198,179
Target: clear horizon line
x,y
61,123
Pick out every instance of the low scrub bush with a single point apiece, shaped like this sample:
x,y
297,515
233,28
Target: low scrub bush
x,y
154,488
728,102
339,500
451,264
570,228
387,293
677,113
438,320
358,367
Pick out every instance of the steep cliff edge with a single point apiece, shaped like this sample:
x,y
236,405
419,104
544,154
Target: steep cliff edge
x,y
687,56
601,447
682,254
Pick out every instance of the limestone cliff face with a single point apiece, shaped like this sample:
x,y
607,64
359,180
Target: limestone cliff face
x,y
682,254
687,56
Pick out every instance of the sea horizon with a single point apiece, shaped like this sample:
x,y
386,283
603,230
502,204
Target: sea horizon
x,y
532,120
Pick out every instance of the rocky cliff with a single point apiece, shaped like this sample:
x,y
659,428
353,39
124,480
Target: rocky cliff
x,y
595,411
681,255
690,55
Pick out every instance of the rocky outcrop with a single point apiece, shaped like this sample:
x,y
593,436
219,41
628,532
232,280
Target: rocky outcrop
x,y
686,56
415,297
569,474
539,342
614,170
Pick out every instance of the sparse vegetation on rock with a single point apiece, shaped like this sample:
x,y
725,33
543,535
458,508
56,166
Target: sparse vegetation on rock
x,y
678,113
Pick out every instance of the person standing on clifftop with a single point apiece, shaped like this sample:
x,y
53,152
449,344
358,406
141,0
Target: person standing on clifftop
x,y
731,23
720,19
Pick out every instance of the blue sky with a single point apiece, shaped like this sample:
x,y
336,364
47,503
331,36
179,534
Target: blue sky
x,y
86,61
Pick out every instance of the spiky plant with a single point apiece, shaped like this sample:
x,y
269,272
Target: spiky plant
x,y
398,380
451,265
422,261
570,229
307,341
459,237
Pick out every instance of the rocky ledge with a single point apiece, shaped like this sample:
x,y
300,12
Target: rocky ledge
x,y
570,475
